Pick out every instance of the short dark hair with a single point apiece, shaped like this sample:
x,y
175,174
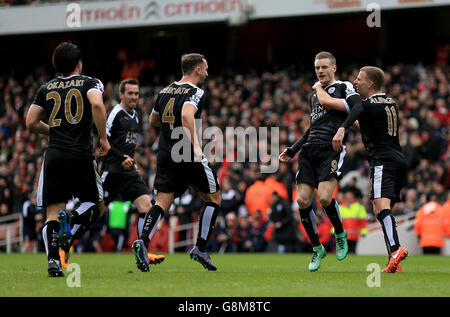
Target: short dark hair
x,y
324,54
375,75
66,57
190,61
129,81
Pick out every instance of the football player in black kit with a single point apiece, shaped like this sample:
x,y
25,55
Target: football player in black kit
x,y
118,173
318,164
378,121
69,102
176,108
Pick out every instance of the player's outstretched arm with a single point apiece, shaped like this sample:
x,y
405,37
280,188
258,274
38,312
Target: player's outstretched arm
x,y
290,152
34,120
327,101
99,116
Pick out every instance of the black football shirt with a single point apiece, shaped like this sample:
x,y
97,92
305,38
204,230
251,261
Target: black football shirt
x,y
123,130
379,124
325,122
69,112
169,104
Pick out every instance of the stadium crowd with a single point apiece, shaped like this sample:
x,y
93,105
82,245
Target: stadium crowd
x,y
259,210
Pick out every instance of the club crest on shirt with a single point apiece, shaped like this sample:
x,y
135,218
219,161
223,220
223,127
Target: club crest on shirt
x,y
331,90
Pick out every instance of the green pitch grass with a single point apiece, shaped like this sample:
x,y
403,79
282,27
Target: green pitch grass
x,y
238,275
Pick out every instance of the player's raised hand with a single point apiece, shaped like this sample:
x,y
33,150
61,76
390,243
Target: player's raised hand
x,y
338,140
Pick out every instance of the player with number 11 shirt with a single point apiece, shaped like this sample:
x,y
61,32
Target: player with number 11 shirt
x,y
378,120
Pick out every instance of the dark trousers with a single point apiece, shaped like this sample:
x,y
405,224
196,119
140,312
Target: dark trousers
x,y
431,250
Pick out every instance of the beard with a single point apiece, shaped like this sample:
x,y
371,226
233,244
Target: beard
x,y
201,81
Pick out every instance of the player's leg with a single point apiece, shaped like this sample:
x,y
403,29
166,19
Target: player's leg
x,y
207,219
50,232
202,177
83,218
143,205
397,253
151,220
155,214
306,180
329,174
51,194
383,212
104,188
305,193
87,186
131,187
385,186
331,207
329,204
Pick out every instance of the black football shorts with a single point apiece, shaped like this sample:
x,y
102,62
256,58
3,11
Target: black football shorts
x,y
176,178
65,175
387,181
318,163
129,185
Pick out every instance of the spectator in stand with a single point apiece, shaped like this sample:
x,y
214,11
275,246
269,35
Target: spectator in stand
x,y
274,185
29,215
284,238
354,219
4,209
259,226
257,197
244,238
223,238
230,197
357,180
411,204
446,215
429,225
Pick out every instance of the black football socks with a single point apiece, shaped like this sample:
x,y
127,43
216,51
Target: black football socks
x,y
50,236
151,220
82,219
207,221
335,217
308,218
387,221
